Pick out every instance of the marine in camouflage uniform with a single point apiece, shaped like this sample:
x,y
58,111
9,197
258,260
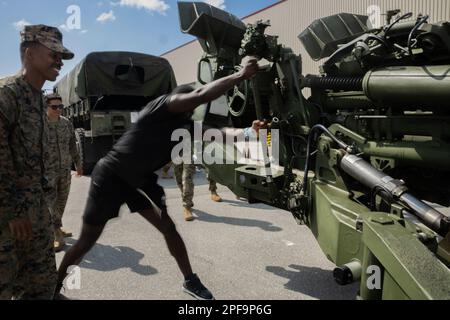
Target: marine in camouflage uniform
x,y
27,260
63,152
184,174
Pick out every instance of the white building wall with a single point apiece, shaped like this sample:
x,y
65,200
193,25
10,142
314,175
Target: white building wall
x,y
290,17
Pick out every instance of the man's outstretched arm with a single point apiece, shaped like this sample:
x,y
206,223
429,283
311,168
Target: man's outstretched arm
x,y
181,103
252,131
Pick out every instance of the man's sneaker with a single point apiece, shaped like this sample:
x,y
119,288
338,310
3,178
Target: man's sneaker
x,y
60,296
195,288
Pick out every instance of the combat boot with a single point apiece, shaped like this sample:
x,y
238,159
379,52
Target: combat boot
x,y
166,175
59,242
65,233
215,197
188,214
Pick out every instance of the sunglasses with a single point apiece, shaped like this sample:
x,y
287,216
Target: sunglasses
x,y
56,107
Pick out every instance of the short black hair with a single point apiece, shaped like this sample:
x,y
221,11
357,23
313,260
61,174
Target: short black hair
x,y
185,88
25,45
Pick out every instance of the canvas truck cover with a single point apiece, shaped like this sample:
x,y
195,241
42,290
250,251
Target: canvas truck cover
x,y
117,74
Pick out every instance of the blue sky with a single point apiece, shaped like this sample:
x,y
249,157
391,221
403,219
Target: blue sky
x,y
148,26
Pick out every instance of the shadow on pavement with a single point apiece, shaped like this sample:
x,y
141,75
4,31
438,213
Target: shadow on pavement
x,y
314,282
172,184
109,258
244,204
264,225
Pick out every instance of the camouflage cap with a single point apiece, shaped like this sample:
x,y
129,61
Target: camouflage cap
x,y
52,96
49,37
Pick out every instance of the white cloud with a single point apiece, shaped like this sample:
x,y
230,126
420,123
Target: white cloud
x,y
159,6
83,31
106,16
20,24
216,3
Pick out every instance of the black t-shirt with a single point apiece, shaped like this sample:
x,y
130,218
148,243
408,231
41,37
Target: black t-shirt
x,y
146,146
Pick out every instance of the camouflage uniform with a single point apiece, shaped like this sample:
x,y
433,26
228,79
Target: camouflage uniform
x,y
184,175
27,268
63,152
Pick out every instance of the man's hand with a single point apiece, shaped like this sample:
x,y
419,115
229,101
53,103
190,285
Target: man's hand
x,y
250,69
21,229
258,125
182,103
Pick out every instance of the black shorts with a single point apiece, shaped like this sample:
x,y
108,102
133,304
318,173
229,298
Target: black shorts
x,y
108,193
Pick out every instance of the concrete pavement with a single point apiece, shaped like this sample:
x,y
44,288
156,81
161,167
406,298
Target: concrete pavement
x,y
240,252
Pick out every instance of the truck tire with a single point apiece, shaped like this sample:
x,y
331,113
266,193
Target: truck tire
x,y
81,146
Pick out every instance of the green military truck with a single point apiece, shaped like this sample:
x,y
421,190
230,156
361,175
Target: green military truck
x,y
104,93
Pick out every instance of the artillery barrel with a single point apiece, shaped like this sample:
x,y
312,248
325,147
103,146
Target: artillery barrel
x,y
425,86
412,87
374,179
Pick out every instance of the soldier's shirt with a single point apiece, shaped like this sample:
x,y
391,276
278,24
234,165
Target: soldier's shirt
x,y
23,148
62,146
147,145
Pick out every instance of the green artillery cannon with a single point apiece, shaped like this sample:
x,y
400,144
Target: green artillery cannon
x,y
364,145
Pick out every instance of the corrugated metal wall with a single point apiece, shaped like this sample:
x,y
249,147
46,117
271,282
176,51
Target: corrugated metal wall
x,y
289,18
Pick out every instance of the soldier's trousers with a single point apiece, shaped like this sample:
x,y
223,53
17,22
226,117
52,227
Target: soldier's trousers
x,y
62,189
184,175
28,269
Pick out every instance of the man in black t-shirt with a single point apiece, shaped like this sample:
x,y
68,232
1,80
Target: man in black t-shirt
x,y
126,175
